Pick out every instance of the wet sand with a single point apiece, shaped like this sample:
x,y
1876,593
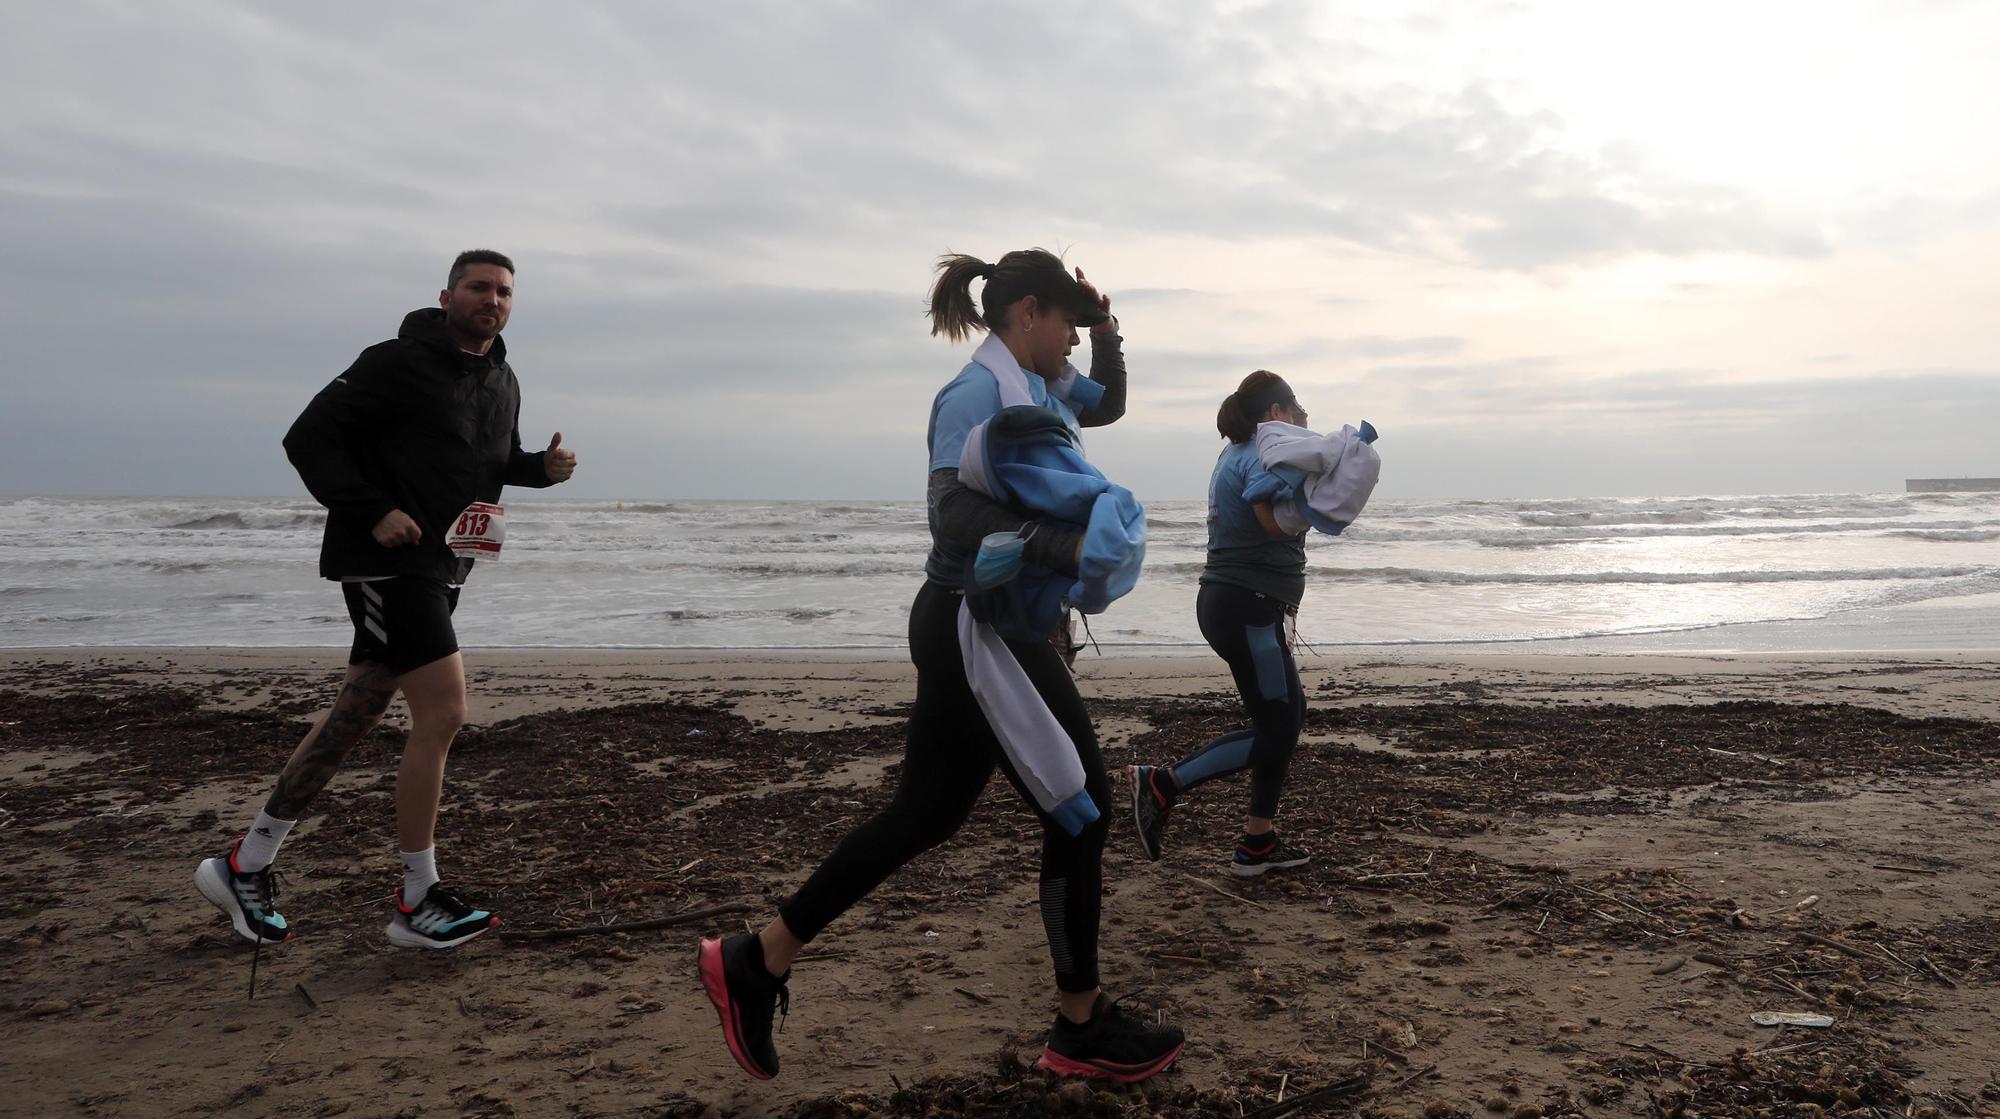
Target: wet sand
x,y
1547,885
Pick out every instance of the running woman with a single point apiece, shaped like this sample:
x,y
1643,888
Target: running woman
x,y
1251,585
407,450
1032,307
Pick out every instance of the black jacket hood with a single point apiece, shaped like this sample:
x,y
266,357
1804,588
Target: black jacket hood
x,y
425,327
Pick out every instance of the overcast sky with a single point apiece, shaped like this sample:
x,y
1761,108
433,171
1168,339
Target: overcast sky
x,y
1549,249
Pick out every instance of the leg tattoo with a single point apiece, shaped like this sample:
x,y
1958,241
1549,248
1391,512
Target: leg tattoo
x,y
362,700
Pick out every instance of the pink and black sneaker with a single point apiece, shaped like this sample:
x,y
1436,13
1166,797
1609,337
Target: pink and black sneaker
x,y
1256,854
746,997
1113,1046
1153,794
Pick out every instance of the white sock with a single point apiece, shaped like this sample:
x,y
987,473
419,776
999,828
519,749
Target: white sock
x,y
420,873
261,842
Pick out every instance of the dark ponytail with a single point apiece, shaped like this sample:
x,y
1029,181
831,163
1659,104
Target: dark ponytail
x,y
1238,417
1023,272
952,313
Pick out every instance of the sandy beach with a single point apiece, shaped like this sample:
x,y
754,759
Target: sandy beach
x,y
1542,886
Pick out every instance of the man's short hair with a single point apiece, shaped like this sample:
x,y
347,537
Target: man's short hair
x,y
474,256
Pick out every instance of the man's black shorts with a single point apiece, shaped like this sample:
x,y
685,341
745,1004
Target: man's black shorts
x,y
404,623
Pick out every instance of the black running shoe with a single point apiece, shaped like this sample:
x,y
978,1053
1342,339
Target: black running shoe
x,y
1150,806
1113,1045
247,897
440,920
1249,862
746,997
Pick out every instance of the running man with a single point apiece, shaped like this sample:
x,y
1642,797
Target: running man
x,y
408,451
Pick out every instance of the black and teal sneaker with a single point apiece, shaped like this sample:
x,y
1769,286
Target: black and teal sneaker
x,y
248,898
1257,854
440,920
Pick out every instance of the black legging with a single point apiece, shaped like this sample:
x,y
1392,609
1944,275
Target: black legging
x,y
949,755
1248,630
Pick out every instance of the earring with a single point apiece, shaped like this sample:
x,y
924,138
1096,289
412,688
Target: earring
x,y
1029,327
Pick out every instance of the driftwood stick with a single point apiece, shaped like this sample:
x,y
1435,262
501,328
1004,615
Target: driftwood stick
x,y
823,954
1656,1051
687,918
1413,1077
1891,953
1881,955
1640,910
1337,1088
1226,893
1839,946
1366,1045
1939,972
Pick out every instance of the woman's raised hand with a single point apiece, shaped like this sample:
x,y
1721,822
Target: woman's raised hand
x,y
1108,326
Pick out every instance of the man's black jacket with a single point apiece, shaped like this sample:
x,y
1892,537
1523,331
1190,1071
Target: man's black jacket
x,y
414,424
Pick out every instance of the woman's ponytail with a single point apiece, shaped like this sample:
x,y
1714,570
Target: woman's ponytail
x,y
952,313
1230,422
1234,420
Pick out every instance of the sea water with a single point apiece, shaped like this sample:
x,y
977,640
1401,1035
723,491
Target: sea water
x,y
1809,573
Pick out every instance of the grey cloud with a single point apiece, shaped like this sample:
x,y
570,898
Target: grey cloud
x,y
151,299
739,339
1149,296
1432,376
1210,368
1906,221
207,210
1645,400
1646,432
918,131
65,161
1380,346
1675,432
1540,230
749,124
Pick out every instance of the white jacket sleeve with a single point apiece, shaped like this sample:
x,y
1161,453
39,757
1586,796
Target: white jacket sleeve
x,y
1341,470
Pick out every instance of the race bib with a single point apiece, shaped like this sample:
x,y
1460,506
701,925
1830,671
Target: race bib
x,y
479,531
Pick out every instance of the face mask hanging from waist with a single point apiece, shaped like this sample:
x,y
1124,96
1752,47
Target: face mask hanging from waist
x,y
1000,557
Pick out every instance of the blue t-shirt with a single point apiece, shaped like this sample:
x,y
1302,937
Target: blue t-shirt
x,y
968,400
1240,552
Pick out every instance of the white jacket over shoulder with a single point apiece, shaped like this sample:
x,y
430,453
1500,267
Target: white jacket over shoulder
x,y
1316,481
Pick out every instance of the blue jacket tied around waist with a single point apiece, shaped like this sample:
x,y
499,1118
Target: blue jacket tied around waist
x,y
1029,458
1026,457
